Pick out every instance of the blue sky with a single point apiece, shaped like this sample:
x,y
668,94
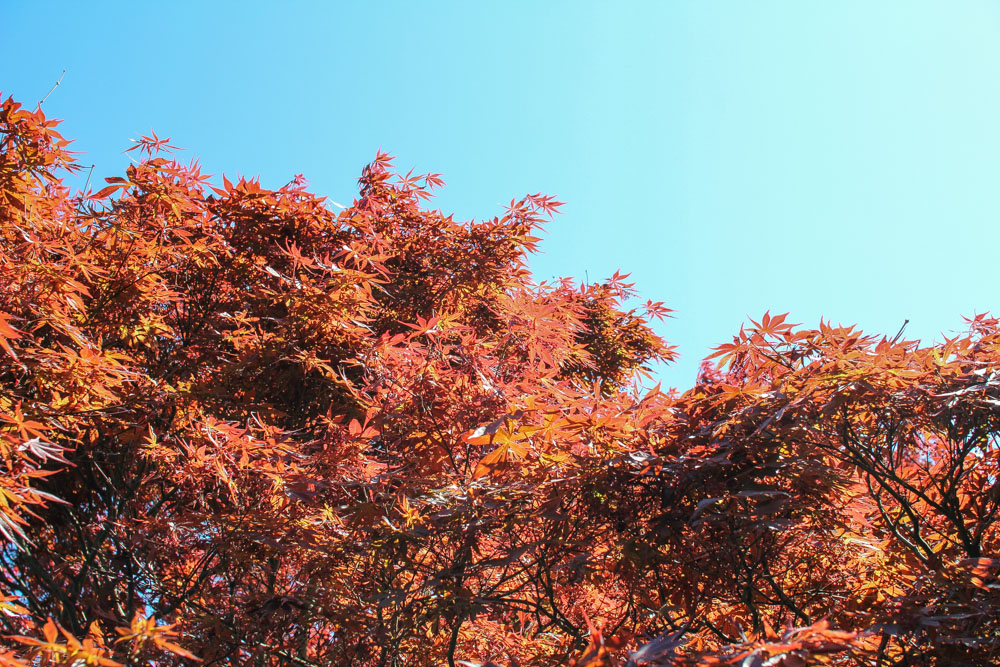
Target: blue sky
x,y
827,159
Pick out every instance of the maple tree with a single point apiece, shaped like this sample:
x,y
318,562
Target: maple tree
x,y
239,427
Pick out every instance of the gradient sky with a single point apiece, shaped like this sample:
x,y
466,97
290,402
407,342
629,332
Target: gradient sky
x,y
828,159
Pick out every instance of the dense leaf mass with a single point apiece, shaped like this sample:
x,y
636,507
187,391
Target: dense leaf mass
x,y
241,428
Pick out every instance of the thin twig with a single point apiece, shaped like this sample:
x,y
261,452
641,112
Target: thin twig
x,y
900,332
89,174
53,88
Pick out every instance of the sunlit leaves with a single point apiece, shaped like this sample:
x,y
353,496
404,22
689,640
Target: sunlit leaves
x,y
240,426
142,631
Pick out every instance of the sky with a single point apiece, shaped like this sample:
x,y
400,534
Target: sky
x,y
835,160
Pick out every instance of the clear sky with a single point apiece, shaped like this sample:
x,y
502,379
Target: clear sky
x,y
828,159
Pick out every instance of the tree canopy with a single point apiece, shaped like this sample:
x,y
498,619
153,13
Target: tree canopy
x,y
239,427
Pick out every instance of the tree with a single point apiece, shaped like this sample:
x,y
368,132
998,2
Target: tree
x,y
241,428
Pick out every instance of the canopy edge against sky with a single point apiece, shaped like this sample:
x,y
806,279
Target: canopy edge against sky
x,y
831,160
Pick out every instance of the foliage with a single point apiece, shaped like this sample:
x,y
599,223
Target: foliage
x,y
240,428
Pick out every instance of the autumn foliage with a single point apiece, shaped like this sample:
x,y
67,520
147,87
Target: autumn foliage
x,y
240,427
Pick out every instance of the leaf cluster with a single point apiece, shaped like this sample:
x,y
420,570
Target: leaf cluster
x,y
241,427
